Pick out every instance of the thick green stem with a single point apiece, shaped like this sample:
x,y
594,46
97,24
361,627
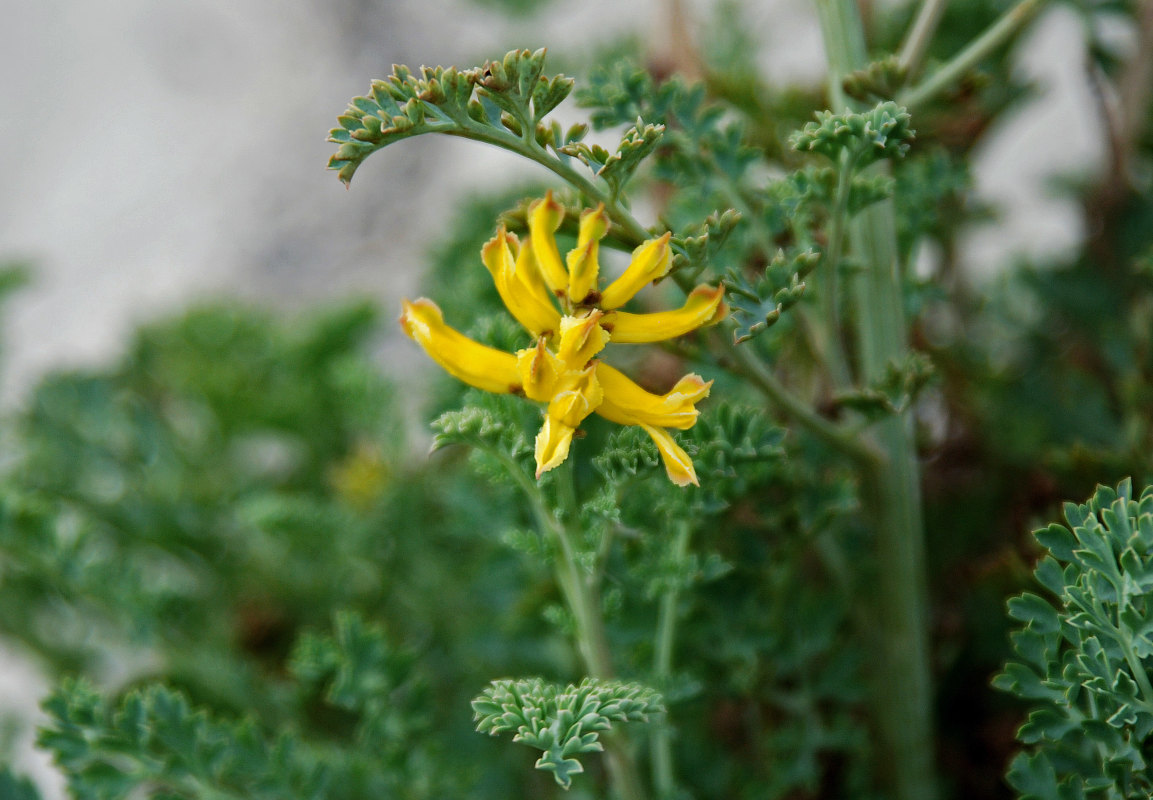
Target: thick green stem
x,y
844,39
904,694
902,691
664,781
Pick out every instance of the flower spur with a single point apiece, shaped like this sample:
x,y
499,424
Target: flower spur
x,y
559,303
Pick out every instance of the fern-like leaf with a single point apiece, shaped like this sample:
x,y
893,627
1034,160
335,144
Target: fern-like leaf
x,y
1084,654
563,723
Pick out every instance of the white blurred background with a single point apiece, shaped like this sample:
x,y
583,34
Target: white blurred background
x,y
152,154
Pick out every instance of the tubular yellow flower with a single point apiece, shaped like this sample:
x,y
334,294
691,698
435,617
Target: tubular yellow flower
x,y
477,365
579,397
540,371
561,370
581,338
626,403
544,217
652,260
552,444
678,465
583,266
522,292
705,306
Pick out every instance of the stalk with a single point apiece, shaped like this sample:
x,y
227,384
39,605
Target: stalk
x,y
582,593
664,780
902,691
973,54
833,352
916,43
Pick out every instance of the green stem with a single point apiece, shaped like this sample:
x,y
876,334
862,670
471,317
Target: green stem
x,y
662,748
829,341
973,54
913,49
1137,668
902,695
534,152
844,39
793,407
582,593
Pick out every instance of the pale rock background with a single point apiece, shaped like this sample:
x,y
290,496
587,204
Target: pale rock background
x,y
155,153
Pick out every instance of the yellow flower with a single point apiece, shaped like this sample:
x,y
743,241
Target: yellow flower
x,y
560,303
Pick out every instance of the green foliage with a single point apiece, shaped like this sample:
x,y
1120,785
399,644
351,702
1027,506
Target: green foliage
x,y
155,737
880,80
520,7
617,168
1085,653
238,476
503,101
776,671
13,276
758,302
933,193
883,132
498,427
213,487
14,788
357,664
562,722
735,448
895,392
703,152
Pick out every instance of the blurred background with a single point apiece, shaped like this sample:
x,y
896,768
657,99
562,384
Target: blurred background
x,y
153,155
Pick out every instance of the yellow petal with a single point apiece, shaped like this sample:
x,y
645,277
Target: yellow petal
x,y
581,338
650,261
705,306
539,371
532,309
528,271
470,361
552,444
626,403
678,465
583,266
544,217
578,395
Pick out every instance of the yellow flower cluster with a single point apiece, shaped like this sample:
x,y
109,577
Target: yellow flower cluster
x,y
559,302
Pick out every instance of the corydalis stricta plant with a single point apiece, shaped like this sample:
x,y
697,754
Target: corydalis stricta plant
x,y
559,302
562,369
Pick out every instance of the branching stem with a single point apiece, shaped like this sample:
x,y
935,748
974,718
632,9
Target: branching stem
x,y
744,363
972,54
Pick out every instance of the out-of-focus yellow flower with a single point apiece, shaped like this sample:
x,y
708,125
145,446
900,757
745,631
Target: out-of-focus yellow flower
x,y
560,303
362,477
